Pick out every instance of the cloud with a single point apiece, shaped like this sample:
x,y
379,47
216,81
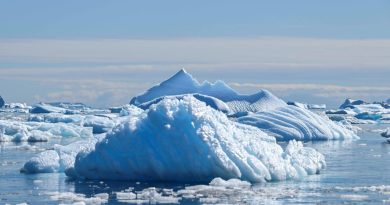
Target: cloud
x,y
262,52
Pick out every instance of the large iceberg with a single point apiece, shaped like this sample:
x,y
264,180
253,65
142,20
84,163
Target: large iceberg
x,y
183,83
185,140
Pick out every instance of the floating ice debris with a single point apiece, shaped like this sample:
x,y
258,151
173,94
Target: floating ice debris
x,y
17,131
74,198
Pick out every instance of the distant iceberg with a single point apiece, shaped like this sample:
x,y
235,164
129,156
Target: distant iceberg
x,y
2,102
183,83
16,131
185,140
361,112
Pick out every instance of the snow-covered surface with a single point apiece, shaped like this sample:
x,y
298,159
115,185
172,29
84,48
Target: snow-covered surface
x,y
183,83
291,122
185,140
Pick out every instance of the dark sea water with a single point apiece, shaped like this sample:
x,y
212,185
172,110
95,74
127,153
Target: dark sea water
x,y
357,172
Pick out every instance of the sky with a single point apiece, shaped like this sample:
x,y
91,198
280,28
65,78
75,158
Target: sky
x,y
104,52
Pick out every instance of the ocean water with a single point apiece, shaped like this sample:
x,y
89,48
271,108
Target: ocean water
x,y
357,172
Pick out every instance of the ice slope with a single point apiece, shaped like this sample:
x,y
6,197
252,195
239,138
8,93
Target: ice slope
x,y
291,122
183,83
185,140
17,131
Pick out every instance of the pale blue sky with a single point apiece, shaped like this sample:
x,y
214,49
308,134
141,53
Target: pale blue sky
x,y
104,52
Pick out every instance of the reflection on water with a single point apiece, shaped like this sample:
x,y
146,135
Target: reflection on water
x,y
357,171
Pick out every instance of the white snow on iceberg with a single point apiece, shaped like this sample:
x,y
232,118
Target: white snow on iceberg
x,y
183,83
185,140
291,122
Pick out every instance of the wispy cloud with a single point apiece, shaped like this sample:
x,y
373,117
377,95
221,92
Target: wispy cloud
x,y
253,52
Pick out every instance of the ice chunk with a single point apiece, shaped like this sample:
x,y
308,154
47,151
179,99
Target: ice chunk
x,y
199,144
183,83
59,159
368,116
291,122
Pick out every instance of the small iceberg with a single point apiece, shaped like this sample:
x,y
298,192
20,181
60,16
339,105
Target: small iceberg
x,y
2,102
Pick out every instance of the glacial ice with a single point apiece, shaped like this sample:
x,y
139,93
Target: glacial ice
x,y
17,131
183,83
264,109
291,122
185,140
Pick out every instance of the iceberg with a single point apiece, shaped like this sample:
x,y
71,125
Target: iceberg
x,y
183,83
291,122
186,140
2,102
350,103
